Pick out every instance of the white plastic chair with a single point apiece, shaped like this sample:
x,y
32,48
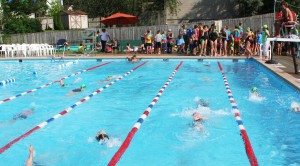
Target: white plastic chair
x,y
3,50
10,50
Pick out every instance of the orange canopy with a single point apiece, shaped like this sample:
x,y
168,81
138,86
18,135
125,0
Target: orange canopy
x,y
119,19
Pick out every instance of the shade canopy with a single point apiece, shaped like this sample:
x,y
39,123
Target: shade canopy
x,y
119,19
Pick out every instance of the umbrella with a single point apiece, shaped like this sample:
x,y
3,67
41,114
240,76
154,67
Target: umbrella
x,y
119,19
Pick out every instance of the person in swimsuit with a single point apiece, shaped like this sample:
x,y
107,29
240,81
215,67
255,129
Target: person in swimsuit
x,y
198,120
132,59
62,84
23,114
77,90
102,136
254,91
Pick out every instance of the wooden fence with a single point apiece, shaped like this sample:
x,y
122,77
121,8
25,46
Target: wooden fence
x,y
134,33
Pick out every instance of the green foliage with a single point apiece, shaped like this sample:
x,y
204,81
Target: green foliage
x,y
25,7
55,8
22,25
248,7
58,25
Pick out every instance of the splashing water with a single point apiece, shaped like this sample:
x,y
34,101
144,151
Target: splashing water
x,y
255,97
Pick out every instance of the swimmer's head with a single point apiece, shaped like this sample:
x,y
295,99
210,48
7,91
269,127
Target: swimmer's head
x,y
83,86
254,89
101,132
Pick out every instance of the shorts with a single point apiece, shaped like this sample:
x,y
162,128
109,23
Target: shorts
x,y
148,44
163,45
158,44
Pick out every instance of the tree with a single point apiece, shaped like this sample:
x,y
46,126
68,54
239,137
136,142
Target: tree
x,y
54,11
248,7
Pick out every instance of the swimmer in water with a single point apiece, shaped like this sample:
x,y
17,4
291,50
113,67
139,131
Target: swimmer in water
x,y
77,90
133,59
62,84
23,114
295,106
102,136
254,90
198,120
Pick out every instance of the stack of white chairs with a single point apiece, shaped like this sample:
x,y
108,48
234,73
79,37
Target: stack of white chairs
x,y
24,50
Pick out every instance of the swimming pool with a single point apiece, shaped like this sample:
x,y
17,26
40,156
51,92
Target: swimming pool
x,y
167,136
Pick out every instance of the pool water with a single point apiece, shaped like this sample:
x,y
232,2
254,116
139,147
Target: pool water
x,y
167,136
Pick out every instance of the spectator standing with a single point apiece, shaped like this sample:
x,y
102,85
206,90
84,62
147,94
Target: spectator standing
x,y
104,38
158,39
203,40
148,41
164,42
169,41
265,44
237,39
213,36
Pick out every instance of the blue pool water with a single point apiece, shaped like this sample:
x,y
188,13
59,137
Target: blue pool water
x,y
167,136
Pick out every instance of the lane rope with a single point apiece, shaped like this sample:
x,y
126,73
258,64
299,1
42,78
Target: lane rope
x,y
247,143
67,110
139,122
50,83
4,82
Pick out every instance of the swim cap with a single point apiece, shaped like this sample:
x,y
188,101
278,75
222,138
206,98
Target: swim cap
x,y
83,86
254,89
265,26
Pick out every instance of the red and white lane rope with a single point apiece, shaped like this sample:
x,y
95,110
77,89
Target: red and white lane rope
x,y
139,122
67,110
247,143
50,83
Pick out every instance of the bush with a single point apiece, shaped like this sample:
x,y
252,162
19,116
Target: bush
x,y
22,25
58,25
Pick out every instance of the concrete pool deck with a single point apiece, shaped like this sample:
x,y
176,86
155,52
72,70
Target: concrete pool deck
x,y
284,68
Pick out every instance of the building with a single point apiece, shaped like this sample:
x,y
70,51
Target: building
x,y
74,19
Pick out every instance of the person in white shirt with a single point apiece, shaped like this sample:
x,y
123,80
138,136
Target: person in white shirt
x,y
158,38
104,38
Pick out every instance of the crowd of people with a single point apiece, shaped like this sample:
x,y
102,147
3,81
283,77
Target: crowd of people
x,y
204,40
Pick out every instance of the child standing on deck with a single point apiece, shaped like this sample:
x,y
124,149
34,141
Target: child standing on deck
x,y
231,44
265,44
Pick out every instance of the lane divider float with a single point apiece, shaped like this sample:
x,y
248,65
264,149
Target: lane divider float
x,y
50,83
4,82
67,110
139,122
247,143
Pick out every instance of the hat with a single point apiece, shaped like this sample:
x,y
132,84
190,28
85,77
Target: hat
x,y
265,26
170,30
83,86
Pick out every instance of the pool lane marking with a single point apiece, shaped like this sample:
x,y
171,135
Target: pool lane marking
x,y
67,110
247,143
4,82
139,122
50,83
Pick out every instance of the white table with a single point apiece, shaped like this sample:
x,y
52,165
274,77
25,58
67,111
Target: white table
x,y
297,41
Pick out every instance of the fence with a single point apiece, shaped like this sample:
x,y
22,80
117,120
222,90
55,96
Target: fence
x,y
134,33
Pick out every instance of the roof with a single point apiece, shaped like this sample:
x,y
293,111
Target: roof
x,y
74,12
